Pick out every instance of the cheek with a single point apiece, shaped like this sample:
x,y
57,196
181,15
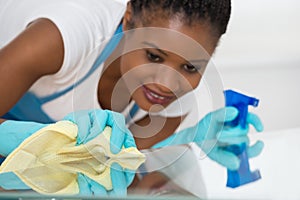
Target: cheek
x,y
125,64
191,82
130,61
135,65
134,70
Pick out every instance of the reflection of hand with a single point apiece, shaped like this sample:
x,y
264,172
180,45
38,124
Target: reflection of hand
x,y
212,136
92,122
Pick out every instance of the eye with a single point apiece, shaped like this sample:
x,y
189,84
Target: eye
x,y
153,57
190,68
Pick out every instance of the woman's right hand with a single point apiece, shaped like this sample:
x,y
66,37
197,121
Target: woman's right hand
x,y
90,124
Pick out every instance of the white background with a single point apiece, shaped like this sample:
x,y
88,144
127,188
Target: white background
x,y
260,56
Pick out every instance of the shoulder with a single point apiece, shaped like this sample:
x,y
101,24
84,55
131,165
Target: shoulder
x,y
82,23
85,29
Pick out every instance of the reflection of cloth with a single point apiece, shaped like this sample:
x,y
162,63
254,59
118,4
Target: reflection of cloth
x,y
41,164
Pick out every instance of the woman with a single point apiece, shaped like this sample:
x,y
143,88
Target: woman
x,y
56,55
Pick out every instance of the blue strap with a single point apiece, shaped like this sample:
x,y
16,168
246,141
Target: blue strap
x,y
112,44
28,108
132,112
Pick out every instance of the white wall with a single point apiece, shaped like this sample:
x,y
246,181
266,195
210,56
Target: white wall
x,y
260,55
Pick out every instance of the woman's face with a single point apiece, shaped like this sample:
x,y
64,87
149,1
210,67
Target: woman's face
x,y
165,61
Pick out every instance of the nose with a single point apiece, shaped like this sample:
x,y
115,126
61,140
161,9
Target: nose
x,y
168,79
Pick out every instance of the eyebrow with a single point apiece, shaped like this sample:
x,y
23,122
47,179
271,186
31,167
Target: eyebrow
x,y
156,47
199,60
163,52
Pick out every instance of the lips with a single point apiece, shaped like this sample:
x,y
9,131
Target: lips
x,y
156,98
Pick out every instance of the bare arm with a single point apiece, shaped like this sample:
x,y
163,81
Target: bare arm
x,y
36,52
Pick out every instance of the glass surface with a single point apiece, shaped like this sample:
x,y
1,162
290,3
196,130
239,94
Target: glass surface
x,y
22,196
177,173
168,173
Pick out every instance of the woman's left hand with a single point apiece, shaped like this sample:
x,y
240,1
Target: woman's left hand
x,y
213,136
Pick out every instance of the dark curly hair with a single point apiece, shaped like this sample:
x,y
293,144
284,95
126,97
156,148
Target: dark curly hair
x,y
215,13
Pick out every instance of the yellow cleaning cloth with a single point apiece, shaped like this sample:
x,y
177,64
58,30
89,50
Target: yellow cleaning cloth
x,y
48,160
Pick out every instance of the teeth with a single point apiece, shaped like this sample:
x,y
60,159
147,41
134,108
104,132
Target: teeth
x,y
157,96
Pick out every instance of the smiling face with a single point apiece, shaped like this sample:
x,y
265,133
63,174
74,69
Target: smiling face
x,y
166,60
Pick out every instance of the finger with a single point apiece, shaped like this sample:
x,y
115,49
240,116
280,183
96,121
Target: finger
x,y
255,149
97,189
83,124
117,122
115,119
230,132
222,115
225,114
98,123
75,116
83,184
81,119
255,121
235,140
118,180
213,123
129,176
225,158
100,117
10,181
129,140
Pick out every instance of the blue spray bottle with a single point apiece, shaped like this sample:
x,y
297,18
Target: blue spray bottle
x,y
243,175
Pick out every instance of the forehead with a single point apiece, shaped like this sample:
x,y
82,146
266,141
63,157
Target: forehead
x,y
199,29
188,42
